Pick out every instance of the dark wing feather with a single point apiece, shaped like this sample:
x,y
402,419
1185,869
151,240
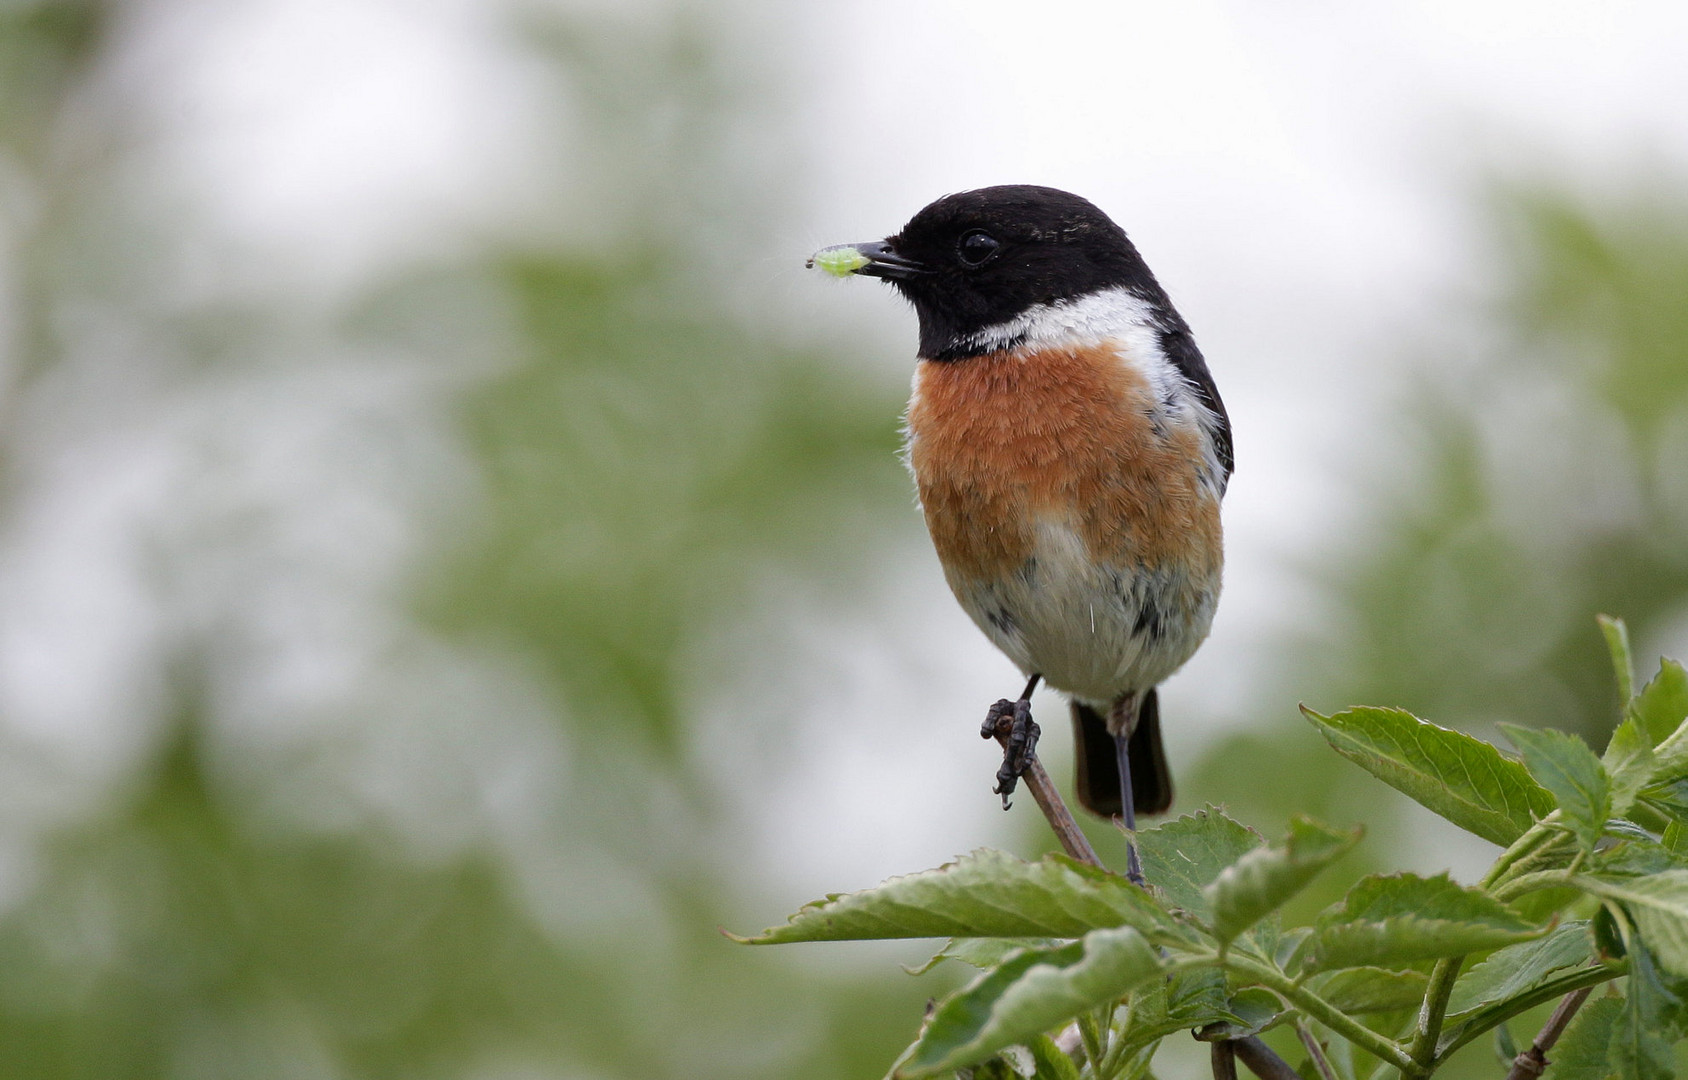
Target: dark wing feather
x,y
1180,348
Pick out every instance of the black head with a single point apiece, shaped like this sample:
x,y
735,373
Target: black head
x,y
978,259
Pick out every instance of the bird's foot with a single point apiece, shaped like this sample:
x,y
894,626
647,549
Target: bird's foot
x,y
1012,722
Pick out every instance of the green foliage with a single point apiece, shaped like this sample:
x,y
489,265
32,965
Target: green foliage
x,y
1029,992
1564,765
1402,918
986,894
1461,778
1512,970
1260,881
1202,946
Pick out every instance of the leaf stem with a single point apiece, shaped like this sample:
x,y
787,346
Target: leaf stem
x,y
1534,837
1324,1012
1434,1009
1488,1018
1314,1050
1534,882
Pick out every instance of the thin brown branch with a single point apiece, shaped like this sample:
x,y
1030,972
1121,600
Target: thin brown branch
x,y
1224,1058
1314,1050
1261,1061
1533,1062
1054,808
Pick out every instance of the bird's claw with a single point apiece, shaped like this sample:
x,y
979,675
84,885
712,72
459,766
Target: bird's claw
x,y
1012,722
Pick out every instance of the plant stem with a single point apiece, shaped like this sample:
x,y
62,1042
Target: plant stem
x,y
1054,808
1486,1019
1527,844
1092,1042
1435,1007
1314,1050
1324,1012
1540,879
1224,1058
1533,1062
1260,1059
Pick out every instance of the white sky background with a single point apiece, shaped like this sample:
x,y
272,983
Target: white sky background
x,y
1298,174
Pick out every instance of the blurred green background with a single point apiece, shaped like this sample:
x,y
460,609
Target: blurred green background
x,y
400,674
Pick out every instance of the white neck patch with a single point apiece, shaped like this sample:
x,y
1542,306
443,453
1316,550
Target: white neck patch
x,y
1116,313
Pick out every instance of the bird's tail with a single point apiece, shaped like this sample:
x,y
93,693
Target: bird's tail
x,y
1098,766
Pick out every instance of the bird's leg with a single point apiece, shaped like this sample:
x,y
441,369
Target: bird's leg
x,y
1013,719
1128,811
1122,722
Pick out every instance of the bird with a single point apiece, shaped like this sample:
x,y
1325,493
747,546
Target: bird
x,y
1070,453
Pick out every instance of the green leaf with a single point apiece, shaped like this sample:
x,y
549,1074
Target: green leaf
x,y
1261,880
1617,643
1630,762
1565,765
1052,1063
1392,921
1516,968
1637,1048
1203,996
1461,778
1585,1051
1371,989
981,952
985,894
1029,993
1183,857
1658,906
1662,705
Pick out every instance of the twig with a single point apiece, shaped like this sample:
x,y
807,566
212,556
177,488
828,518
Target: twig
x,y
1314,1050
1055,809
1224,1058
1261,1061
1533,1062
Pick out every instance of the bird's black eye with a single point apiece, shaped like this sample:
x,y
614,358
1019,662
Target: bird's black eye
x,y
976,248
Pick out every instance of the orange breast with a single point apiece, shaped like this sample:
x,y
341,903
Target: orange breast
x,y
997,442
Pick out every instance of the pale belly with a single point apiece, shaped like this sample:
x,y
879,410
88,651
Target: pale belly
x,y
1091,629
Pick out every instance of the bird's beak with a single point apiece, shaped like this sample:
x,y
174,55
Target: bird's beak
x,y
876,258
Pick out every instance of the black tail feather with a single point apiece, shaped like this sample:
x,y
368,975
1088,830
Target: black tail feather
x,y
1098,769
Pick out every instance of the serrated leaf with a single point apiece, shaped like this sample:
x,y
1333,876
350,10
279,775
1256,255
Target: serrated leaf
x,y
985,894
1630,762
1371,989
1585,1051
981,952
1183,856
1658,906
1197,997
1028,994
1261,880
1675,839
1662,705
1516,968
1395,920
1450,773
1564,765
1637,1049
1636,858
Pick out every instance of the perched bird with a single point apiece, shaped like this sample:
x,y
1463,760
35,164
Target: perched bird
x,y
1070,451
